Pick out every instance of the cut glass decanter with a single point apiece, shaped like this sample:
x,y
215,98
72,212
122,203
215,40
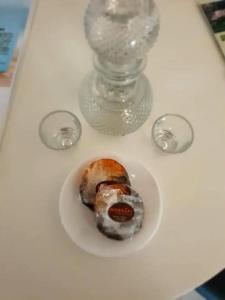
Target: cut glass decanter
x,y
116,97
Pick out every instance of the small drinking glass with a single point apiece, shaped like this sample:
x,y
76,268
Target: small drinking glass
x,y
60,130
172,133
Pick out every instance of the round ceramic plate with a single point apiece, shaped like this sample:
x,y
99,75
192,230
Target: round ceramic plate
x,y
79,222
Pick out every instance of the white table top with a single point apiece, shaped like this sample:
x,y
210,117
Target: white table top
x,y
37,259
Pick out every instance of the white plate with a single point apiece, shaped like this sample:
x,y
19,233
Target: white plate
x,y
79,222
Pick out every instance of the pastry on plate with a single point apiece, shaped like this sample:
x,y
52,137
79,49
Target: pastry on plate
x,y
101,171
119,211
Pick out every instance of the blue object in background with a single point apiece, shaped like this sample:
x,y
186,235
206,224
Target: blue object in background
x,y
12,22
214,289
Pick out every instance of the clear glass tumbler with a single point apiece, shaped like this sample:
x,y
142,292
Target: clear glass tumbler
x,y
172,133
60,130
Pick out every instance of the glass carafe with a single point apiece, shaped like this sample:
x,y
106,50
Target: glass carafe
x,y
116,97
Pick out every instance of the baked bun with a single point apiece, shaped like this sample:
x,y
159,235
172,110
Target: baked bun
x,y
97,173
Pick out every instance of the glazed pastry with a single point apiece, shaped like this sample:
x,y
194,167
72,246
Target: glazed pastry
x,y
123,188
119,211
100,171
